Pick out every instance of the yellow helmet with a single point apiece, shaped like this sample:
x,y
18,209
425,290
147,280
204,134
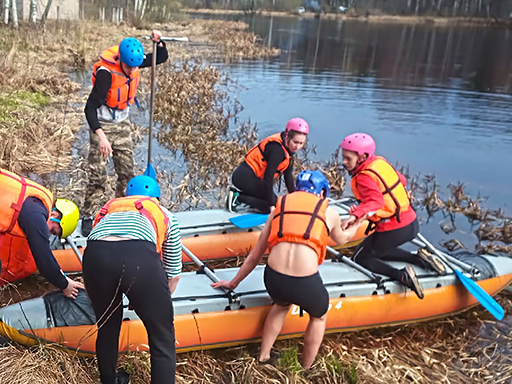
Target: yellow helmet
x,y
70,216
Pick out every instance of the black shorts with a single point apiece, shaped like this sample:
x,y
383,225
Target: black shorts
x,y
308,292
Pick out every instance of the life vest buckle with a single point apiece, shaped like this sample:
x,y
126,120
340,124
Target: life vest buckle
x,y
103,211
16,207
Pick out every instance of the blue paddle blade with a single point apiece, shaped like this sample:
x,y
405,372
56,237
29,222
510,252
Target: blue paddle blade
x,y
150,171
483,297
249,220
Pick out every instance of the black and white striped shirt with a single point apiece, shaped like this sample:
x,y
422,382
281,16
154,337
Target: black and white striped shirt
x,y
135,226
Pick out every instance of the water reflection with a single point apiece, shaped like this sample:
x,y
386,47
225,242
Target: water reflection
x,y
417,55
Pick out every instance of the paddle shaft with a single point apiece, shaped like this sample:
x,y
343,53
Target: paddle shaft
x,y
341,202
354,265
163,38
449,260
75,249
151,102
208,272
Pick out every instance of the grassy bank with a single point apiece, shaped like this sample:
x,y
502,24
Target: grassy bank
x,y
469,347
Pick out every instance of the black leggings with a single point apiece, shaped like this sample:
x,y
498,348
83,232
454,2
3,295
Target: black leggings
x,y
133,267
308,292
254,192
381,246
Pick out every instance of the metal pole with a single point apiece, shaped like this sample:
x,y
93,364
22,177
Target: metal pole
x,y
363,270
177,39
71,242
151,102
422,242
208,272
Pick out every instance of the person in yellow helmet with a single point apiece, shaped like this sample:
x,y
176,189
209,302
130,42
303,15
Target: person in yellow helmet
x,y
28,215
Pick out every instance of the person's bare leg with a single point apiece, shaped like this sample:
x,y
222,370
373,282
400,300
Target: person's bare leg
x,y
273,325
312,340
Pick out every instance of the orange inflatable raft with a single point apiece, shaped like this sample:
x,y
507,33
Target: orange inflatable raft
x,y
208,318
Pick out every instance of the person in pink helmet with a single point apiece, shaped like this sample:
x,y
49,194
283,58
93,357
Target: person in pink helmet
x,y
381,191
264,163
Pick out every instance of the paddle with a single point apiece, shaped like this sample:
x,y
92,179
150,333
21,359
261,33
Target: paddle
x,y
249,220
150,171
178,39
363,270
182,39
232,296
483,297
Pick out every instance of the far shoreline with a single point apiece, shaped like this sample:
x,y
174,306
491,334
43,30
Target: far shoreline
x,y
397,19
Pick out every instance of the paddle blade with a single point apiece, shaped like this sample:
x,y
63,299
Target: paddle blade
x,y
150,171
249,220
483,297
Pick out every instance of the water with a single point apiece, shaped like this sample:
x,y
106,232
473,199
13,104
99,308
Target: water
x,y
435,98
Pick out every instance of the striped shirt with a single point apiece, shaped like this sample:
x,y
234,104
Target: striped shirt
x,y
135,226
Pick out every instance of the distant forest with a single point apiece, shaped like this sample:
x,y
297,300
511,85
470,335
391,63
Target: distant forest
x,y
161,10
498,9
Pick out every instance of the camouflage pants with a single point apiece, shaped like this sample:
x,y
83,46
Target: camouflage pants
x,y
120,138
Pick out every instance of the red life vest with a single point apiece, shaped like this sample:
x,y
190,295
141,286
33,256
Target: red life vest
x,y
396,197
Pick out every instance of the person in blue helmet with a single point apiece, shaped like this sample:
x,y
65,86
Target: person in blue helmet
x,y
115,79
134,248
296,233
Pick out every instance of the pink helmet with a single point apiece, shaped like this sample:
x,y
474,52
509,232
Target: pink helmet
x,y
297,124
359,142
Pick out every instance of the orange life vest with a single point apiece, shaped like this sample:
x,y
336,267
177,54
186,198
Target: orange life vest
x,y
123,89
14,190
256,160
396,197
147,206
15,254
299,217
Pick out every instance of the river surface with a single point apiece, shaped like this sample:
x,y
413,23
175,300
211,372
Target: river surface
x,y
435,98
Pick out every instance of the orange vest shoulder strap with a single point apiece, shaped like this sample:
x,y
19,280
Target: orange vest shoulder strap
x,y
138,205
314,216
145,212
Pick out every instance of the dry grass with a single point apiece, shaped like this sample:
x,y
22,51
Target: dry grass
x,y
196,113
43,364
467,348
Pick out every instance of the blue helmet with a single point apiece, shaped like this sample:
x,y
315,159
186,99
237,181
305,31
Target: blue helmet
x,y
312,182
131,52
143,185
